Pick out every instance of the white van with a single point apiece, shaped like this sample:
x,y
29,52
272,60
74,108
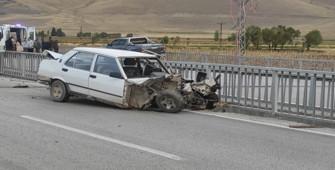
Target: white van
x,y
18,31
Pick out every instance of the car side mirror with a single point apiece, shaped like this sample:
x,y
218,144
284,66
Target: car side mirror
x,y
115,75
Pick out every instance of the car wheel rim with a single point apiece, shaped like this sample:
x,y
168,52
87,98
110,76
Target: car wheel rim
x,y
168,102
56,91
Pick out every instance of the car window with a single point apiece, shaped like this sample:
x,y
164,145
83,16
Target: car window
x,y
115,42
122,42
106,65
81,61
138,40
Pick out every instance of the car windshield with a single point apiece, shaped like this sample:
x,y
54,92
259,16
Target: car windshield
x,y
141,67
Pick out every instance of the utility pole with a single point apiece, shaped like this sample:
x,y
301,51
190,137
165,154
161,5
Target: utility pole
x,y
220,23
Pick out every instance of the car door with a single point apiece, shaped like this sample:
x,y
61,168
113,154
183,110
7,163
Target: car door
x,y
102,85
76,71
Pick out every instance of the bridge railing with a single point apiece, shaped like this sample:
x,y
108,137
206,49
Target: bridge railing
x,y
305,94
292,63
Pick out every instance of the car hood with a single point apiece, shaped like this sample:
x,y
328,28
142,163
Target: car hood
x,y
52,54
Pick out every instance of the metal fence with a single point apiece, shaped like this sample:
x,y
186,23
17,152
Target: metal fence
x,y
305,94
303,64
22,65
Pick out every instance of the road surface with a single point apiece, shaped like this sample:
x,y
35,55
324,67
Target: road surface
x,y
37,133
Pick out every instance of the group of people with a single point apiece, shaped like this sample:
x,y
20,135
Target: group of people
x,y
29,45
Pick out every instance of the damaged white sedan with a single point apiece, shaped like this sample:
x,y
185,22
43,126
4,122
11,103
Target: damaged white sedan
x,y
120,78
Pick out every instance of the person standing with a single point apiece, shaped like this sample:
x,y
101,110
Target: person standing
x,y
30,45
43,43
38,45
25,45
55,45
9,44
19,48
50,44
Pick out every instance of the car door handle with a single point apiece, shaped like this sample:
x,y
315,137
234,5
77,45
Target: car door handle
x,y
65,69
93,76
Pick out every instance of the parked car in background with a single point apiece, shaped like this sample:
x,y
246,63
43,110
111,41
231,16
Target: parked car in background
x,y
139,44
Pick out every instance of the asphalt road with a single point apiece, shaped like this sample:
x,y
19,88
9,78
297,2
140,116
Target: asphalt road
x,y
37,133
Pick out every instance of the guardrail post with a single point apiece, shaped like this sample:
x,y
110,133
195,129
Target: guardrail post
x,y
239,86
23,65
274,92
311,93
208,70
1,62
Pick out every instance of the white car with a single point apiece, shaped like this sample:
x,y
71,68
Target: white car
x,y
121,78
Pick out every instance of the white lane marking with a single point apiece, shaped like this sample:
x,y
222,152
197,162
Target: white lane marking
x,y
262,123
153,151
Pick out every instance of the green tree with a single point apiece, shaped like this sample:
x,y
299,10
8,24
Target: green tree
x,y
103,35
130,35
165,40
314,37
95,38
188,41
232,37
216,35
176,41
254,35
53,31
60,33
80,34
40,34
276,37
87,34
48,33
266,37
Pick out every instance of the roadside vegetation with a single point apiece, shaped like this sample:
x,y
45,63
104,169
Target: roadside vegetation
x,y
275,42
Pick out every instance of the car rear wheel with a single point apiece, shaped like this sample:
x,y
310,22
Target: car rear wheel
x,y
170,101
59,92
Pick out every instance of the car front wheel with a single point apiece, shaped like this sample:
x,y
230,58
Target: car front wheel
x,y
59,92
170,101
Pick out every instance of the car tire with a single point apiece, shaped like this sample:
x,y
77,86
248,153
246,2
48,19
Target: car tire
x,y
170,101
59,92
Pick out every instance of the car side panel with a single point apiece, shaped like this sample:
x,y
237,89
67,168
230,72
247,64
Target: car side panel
x,y
107,88
51,69
76,79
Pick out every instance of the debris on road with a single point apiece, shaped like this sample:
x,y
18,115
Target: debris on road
x,y
20,86
304,126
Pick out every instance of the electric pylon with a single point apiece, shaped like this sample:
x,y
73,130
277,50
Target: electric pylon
x,y
240,25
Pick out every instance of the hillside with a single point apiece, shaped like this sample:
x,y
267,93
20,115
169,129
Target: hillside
x,y
165,17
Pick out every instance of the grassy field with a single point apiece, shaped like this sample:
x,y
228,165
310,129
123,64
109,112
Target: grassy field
x,y
325,51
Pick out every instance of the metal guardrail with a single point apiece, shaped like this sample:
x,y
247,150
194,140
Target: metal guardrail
x,y
302,64
305,94
21,65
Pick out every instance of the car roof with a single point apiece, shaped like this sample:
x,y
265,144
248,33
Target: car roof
x,y
129,38
114,53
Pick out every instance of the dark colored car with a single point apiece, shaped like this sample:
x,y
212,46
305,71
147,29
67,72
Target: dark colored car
x,y
139,44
